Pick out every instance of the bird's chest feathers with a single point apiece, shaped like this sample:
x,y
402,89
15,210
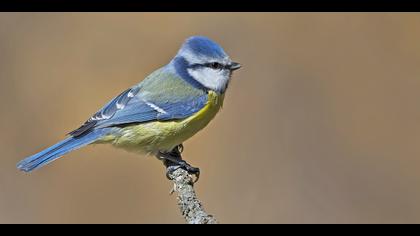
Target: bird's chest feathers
x,y
180,130
207,113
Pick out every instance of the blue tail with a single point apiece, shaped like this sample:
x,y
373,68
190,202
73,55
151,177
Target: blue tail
x,y
56,151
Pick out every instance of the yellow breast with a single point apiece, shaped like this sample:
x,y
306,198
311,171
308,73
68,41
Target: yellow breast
x,y
165,135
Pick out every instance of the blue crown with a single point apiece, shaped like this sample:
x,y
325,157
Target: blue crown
x,y
201,45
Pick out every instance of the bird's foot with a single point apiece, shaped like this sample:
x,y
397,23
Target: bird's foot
x,y
173,161
184,165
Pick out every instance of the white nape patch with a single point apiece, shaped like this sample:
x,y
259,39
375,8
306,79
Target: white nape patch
x,y
158,109
213,79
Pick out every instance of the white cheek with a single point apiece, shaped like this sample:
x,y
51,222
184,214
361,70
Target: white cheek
x,y
210,78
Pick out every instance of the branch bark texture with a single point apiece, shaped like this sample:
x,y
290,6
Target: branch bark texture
x,y
191,207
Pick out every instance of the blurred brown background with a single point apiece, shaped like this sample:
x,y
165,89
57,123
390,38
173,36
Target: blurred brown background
x,y
321,125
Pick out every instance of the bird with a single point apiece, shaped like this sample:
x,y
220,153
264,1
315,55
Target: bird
x,y
158,114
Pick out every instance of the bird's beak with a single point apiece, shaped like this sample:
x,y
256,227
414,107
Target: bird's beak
x,y
234,66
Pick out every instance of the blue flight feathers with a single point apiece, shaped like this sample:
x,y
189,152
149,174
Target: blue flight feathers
x,y
52,153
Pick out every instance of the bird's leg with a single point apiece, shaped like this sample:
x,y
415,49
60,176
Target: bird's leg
x,y
173,161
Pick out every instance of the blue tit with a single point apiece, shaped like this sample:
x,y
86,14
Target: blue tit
x,y
157,115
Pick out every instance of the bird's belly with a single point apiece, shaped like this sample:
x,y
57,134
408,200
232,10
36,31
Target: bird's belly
x,y
165,135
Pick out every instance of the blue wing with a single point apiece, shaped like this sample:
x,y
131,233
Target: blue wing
x,y
161,96
107,111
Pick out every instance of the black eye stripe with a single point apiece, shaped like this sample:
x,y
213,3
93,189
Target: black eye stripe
x,y
213,65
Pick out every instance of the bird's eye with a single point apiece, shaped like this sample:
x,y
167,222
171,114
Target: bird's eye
x,y
215,65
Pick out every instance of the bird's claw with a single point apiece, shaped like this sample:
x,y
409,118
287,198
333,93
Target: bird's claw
x,y
170,170
173,161
187,167
180,148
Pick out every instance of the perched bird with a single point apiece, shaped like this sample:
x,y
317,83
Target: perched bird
x,y
157,115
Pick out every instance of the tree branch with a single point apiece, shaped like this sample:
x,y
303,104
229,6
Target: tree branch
x,y
191,207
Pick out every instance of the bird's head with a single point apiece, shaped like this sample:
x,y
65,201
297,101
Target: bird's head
x,y
206,62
